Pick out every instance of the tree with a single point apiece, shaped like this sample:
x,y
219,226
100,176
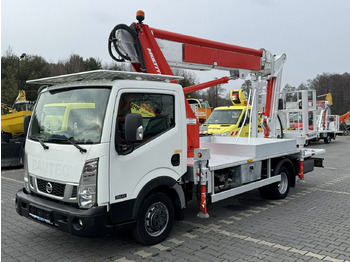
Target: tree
x,y
9,77
189,78
33,67
92,64
75,64
216,96
15,71
303,86
288,88
339,87
246,87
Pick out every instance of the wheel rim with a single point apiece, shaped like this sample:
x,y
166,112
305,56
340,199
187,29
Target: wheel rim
x,y
283,184
157,218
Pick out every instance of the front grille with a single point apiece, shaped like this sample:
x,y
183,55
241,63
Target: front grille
x,y
57,188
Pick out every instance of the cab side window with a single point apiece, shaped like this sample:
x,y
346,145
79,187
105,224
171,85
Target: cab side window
x,y
157,111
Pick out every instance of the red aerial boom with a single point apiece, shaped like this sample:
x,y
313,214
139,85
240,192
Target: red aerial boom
x,y
141,45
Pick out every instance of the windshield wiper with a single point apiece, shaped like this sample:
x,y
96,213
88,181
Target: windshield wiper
x,y
82,150
46,147
69,140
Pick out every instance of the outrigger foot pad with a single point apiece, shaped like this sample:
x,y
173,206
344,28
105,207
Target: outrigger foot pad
x,y
203,215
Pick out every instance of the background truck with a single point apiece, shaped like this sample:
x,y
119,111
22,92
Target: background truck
x,y
230,120
302,115
12,130
144,163
201,108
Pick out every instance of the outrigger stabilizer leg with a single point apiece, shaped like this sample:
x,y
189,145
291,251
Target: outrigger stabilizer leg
x,y
202,156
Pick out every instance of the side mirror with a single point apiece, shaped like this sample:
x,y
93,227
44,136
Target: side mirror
x,y
133,128
26,124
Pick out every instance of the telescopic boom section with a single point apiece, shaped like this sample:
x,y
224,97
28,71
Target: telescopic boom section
x,y
212,53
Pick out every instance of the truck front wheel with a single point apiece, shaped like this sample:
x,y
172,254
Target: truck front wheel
x,y
155,220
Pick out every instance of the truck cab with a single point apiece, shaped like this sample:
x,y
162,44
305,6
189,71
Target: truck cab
x,y
229,120
84,172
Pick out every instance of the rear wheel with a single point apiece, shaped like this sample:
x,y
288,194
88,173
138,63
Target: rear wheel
x,y
327,139
155,220
277,190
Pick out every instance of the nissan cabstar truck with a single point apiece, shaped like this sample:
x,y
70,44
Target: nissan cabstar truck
x,y
112,150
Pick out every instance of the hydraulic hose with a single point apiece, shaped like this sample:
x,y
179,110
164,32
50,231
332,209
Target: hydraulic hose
x,y
113,42
279,119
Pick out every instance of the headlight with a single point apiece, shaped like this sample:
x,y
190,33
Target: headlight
x,y
26,173
225,134
88,184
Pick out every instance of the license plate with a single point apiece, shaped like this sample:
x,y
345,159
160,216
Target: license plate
x,y
40,214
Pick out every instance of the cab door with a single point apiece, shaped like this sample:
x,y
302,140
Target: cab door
x,y
162,151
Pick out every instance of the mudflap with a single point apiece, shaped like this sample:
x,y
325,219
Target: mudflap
x,y
12,153
308,165
318,162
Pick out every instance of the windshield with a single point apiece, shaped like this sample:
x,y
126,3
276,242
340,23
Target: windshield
x,y
224,117
76,114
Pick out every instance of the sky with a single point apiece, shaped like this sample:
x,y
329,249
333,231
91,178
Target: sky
x,y
314,34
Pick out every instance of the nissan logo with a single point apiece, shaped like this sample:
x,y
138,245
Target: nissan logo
x,y
49,188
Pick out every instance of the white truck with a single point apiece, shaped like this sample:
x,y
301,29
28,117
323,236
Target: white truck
x,y
118,154
303,116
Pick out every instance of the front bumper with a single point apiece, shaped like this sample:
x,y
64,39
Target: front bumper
x,y
91,222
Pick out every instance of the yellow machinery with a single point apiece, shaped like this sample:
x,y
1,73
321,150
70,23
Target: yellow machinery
x,y
12,130
228,120
12,118
59,117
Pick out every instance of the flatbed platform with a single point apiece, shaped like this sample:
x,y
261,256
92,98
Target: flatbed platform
x,y
228,151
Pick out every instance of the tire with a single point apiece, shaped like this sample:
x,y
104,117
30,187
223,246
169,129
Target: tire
x,y
155,219
327,139
307,142
277,190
